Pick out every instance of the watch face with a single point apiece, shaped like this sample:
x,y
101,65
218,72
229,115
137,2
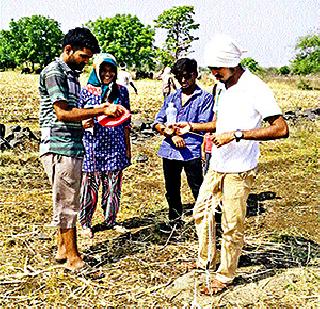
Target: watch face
x,y
238,134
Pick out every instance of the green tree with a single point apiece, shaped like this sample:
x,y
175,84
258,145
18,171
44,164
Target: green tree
x,y
164,58
307,59
179,22
251,64
7,59
35,39
126,38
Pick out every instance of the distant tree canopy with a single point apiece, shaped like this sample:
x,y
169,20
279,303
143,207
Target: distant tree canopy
x,y
126,38
6,52
251,64
34,39
307,59
164,58
179,22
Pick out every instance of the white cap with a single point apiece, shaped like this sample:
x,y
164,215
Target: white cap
x,y
222,52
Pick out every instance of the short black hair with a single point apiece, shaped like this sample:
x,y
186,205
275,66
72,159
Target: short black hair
x,y
81,37
184,65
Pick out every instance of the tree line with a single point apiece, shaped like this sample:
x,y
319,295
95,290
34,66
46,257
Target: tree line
x,y
37,40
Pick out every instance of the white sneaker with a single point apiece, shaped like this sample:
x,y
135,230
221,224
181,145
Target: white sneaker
x,y
50,226
119,228
87,232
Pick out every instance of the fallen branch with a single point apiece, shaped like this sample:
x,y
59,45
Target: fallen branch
x,y
157,287
32,274
11,282
168,239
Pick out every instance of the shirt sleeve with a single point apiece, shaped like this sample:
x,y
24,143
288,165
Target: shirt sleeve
x,y
161,116
56,85
206,112
266,103
129,77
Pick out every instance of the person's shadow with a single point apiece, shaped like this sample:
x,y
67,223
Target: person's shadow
x,y
142,233
283,252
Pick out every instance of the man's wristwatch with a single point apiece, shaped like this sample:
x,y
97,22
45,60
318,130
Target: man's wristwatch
x,y
238,135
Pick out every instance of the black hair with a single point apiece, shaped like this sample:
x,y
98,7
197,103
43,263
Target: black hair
x,y
114,93
184,65
81,37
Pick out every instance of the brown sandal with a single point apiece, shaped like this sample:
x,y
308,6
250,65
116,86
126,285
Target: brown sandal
x,y
86,272
216,287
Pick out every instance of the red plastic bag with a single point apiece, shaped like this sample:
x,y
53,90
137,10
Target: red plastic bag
x,y
106,121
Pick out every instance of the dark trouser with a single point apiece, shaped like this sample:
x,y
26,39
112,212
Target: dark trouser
x,y
206,162
172,175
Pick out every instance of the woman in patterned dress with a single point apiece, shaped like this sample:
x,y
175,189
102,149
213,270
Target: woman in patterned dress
x,y
108,149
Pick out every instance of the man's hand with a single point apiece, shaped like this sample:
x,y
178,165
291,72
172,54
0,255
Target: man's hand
x,y
182,128
222,139
88,123
113,110
178,141
168,131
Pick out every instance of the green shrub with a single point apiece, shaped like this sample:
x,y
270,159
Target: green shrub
x,y
285,70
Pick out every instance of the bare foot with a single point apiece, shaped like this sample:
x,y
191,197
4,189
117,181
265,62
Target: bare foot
x,y
194,266
75,263
61,254
216,287
87,232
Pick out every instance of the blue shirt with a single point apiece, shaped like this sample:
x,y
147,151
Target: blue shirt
x,y
105,149
199,108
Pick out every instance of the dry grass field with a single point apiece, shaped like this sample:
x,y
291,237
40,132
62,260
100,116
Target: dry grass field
x,y
144,267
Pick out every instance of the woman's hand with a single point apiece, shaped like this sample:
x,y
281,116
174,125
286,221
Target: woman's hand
x,y
88,123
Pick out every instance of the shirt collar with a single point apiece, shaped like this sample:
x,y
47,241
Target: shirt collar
x,y
195,92
66,68
243,77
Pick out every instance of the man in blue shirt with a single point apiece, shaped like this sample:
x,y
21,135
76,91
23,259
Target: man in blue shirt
x,y
193,105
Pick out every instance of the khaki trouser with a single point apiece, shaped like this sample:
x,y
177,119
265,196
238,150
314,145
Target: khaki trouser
x,y
231,191
65,177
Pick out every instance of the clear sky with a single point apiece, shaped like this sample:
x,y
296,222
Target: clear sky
x,y
267,29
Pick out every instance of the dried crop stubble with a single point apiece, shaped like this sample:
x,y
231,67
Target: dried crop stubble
x,y
141,265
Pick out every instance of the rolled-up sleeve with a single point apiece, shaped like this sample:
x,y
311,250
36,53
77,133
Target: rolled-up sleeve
x,y
161,116
206,109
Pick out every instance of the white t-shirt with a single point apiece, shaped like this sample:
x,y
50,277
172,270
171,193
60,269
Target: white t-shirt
x,y
242,106
124,78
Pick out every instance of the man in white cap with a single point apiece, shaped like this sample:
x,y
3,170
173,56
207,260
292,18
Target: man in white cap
x,y
243,100
124,78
